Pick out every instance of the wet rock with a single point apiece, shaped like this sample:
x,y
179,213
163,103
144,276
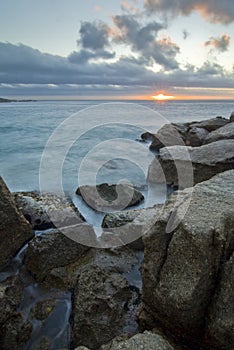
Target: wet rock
x,y
43,309
132,224
14,229
146,340
232,117
201,163
195,136
104,196
47,210
168,135
210,124
184,252
100,305
220,324
54,249
11,292
15,333
224,133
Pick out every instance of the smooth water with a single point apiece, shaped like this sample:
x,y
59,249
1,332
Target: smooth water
x,y
26,127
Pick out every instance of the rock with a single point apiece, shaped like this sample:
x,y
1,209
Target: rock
x,y
37,207
224,133
168,135
195,136
220,324
132,224
81,348
14,229
105,303
100,305
103,197
184,252
54,249
15,333
210,124
201,163
43,309
11,292
232,117
144,341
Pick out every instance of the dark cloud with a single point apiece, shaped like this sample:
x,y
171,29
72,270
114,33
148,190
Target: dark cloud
x,y
22,66
93,35
83,56
185,34
143,39
221,44
215,11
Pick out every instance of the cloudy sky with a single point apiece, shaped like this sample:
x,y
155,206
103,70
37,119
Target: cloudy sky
x,y
117,49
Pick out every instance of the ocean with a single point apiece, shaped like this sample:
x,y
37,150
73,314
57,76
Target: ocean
x,y
26,127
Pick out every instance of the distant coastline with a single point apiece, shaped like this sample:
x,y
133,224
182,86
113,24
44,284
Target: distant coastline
x,y
2,100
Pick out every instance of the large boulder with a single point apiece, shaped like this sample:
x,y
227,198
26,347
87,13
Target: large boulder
x,y
15,231
220,324
37,209
168,135
144,341
54,249
210,124
104,197
224,133
181,163
184,252
104,302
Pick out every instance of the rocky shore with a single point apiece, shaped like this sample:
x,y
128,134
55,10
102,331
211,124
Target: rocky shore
x,y
170,287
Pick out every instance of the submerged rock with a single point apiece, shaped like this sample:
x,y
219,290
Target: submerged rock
x,y
201,163
184,252
14,229
41,210
224,133
104,196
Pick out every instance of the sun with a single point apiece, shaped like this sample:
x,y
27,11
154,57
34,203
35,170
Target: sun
x,y
162,97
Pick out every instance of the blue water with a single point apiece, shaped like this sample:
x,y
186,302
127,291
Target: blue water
x,y
25,129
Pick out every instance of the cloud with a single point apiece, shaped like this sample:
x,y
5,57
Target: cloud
x,y
221,44
185,34
83,56
93,35
215,11
143,40
23,68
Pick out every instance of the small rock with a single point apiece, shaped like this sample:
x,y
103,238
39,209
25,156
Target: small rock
x,y
104,196
195,136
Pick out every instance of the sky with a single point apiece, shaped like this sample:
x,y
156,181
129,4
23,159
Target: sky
x,y
123,49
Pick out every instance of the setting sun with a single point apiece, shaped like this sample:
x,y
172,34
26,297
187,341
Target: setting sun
x,y
162,97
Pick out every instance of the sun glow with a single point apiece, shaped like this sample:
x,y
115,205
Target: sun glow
x,y
162,97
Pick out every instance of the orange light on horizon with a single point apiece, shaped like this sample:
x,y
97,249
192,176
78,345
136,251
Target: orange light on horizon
x,y
162,97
